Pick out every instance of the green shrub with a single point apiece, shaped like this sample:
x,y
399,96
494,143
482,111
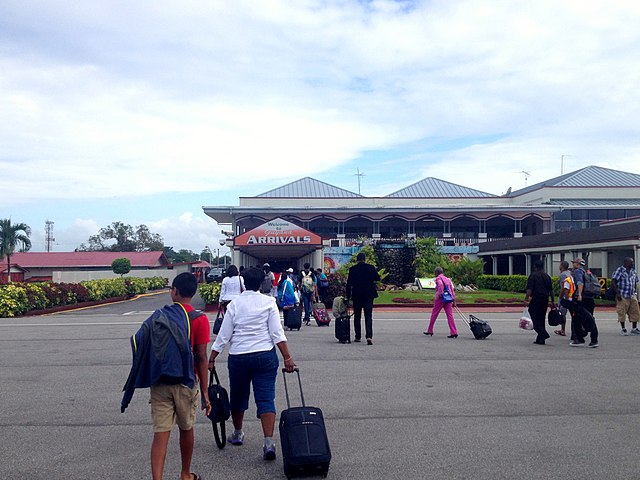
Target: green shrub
x,y
465,271
505,283
210,292
13,300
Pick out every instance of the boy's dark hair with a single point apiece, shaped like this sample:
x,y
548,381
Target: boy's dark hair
x,y
232,271
538,265
253,278
361,257
306,266
186,284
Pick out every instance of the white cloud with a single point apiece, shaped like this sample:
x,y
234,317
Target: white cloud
x,y
189,231
110,99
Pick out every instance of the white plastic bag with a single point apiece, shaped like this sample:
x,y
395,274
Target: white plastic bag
x,y
525,320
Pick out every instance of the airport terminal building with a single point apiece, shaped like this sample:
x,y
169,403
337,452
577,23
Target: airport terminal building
x,y
312,221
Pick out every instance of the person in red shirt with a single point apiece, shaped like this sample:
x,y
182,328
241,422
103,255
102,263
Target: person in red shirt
x,y
177,403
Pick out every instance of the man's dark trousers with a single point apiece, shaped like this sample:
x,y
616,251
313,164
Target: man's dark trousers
x,y
538,312
367,306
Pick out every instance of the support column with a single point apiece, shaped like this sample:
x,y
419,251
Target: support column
x,y
510,264
318,259
494,264
549,263
527,264
604,256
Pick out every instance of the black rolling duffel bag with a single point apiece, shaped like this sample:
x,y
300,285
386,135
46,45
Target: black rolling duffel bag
x,y
303,436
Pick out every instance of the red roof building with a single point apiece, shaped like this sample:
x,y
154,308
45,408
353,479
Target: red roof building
x,y
78,266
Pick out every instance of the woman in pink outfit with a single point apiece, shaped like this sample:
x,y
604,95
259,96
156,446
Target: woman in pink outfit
x,y
439,304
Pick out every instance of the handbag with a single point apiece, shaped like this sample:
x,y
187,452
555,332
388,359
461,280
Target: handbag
x,y
446,295
610,293
217,324
220,408
555,317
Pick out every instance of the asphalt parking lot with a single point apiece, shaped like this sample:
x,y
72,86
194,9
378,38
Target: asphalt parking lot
x,y
408,407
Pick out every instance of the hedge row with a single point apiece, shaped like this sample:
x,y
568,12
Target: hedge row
x,y
515,283
19,298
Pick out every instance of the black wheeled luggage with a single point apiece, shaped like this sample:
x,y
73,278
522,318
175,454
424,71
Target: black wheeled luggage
x,y
343,329
303,437
293,318
479,328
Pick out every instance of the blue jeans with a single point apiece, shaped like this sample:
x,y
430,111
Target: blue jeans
x,y
259,369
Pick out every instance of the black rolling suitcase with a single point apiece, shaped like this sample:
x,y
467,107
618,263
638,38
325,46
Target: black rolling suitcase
x,y
294,318
303,436
343,329
479,328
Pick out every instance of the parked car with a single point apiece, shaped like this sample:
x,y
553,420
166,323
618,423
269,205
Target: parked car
x,y
215,275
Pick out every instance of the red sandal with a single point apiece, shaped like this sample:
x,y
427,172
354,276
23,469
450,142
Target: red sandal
x,y
560,332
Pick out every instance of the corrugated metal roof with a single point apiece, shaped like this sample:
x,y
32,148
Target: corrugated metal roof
x,y
623,231
614,202
86,259
310,188
591,176
435,188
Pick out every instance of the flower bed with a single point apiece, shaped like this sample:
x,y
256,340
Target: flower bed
x,y
17,299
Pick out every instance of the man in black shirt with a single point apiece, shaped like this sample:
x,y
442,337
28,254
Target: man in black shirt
x,y
539,291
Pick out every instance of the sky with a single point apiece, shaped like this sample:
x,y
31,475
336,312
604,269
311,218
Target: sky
x,y
144,112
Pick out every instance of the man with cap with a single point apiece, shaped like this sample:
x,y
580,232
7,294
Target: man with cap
x,y
584,300
268,283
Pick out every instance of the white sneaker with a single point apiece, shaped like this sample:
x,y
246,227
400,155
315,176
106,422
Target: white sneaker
x,y
635,331
624,332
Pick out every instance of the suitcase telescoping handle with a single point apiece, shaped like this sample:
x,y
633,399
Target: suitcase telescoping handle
x,y
286,389
464,317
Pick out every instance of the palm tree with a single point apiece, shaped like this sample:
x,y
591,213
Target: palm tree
x,y
10,237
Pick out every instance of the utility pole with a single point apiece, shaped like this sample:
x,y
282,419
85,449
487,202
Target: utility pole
x,y
562,163
48,229
359,175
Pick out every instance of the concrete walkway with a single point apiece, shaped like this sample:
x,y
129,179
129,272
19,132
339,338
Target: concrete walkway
x,y
408,407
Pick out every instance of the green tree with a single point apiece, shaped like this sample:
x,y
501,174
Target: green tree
x,y
429,256
120,237
182,255
12,236
121,266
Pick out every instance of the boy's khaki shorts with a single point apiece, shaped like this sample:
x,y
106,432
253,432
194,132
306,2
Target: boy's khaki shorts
x,y
171,404
628,306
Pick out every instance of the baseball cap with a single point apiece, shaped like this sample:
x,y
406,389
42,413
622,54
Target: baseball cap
x,y
289,270
266,265
580,261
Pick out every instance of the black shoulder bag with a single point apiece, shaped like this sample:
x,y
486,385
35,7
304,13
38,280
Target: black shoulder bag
x,y
220,408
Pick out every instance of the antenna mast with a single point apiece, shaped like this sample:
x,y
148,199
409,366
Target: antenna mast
x,y
359,175
48,229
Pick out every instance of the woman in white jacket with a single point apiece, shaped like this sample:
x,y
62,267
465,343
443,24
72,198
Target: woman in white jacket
x,y
232,285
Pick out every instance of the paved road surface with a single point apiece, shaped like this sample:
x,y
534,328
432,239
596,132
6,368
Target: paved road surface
x,y
408,407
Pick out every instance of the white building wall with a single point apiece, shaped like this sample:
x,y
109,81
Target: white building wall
x,y
82,275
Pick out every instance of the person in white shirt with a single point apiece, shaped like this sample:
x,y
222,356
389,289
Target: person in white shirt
x,y
252,329
232,285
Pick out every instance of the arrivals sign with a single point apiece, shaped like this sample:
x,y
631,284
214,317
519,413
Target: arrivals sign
x,y
278,232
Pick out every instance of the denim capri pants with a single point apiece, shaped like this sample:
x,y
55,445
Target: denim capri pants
x,y
259,369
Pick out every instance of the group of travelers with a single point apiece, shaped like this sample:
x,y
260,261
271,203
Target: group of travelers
x,y
253,332
578,288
